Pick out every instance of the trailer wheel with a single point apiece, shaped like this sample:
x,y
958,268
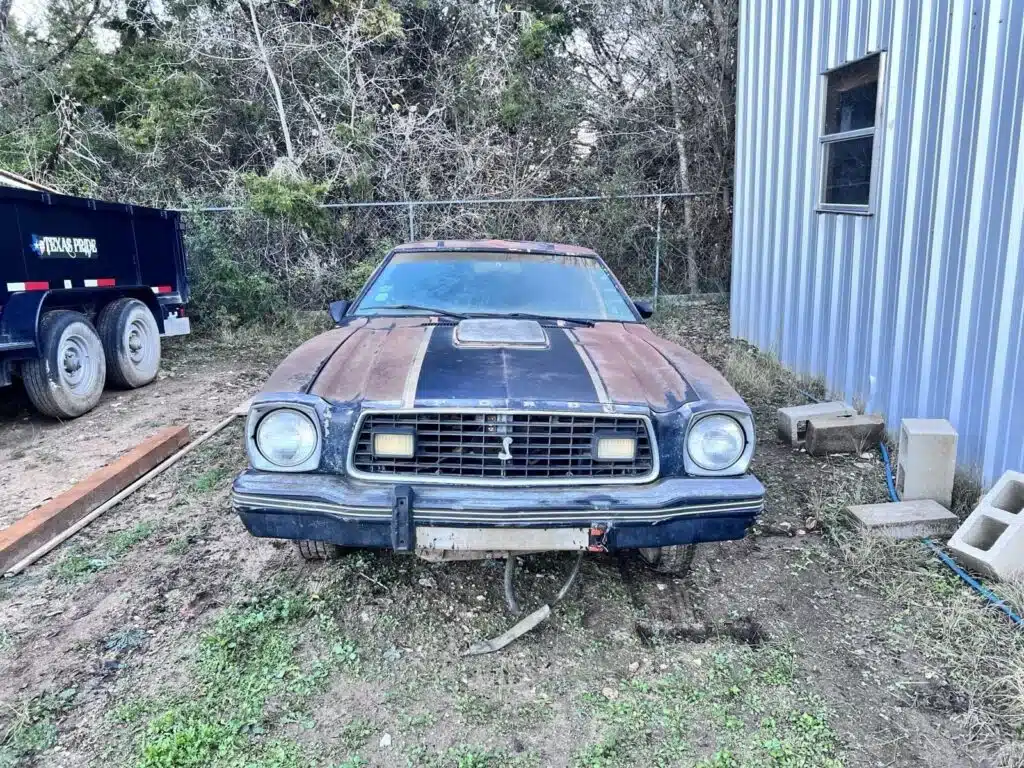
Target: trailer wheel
x,y
676,560
317,550
131,340
68,379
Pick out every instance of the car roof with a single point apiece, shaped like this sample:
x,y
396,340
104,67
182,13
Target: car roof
x,y
503,246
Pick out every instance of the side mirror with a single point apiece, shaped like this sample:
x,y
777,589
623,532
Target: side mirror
x,y
644,307
337,310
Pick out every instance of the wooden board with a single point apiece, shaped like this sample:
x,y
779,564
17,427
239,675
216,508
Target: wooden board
x,y
46,521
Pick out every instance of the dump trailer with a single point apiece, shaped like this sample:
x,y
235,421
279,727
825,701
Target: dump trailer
x,y
87,289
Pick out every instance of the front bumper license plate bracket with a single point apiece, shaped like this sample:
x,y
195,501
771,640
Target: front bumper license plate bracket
x,y
403,529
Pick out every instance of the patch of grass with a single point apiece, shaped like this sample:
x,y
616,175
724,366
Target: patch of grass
x,y
753,374
966,493
123,640
75,567
33,728
254,652
468,756
179,546
122,541
356,733
210,479
977,652
476,709
747,700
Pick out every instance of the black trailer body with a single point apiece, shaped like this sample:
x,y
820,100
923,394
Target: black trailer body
x,y
101,261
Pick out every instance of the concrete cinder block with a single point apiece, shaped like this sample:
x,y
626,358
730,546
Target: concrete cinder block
x,y
793,420
926,461
843,434
905,519
991,540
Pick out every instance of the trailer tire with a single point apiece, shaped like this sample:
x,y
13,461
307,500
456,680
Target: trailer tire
x,y
67,380
131,340
675,560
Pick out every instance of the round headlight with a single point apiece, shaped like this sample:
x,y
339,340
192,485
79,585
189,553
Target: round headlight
x,y
716,442
286,437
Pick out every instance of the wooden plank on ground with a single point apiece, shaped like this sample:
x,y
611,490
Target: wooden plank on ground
x,y
46,521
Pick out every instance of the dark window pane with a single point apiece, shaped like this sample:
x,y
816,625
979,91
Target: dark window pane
x,y
848,171
850,97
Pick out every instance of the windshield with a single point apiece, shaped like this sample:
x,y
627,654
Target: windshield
x,y
575,287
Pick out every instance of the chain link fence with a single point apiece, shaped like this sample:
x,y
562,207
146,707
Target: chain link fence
x,y
247,265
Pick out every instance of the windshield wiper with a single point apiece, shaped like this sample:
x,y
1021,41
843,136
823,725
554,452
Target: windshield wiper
x,y
428,310
538,318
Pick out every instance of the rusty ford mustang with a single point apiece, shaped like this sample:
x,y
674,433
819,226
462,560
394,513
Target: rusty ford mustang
x,y
480,398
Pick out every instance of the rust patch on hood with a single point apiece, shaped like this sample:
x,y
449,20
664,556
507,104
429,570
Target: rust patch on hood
x,y
297,371
376,363
708,383
631,370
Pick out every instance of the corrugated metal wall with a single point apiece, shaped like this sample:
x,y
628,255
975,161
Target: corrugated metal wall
x,y
917,310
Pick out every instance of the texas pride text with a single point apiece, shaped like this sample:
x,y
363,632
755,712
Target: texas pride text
x,y
64,247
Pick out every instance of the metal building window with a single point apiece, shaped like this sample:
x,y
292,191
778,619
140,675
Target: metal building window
x,y
848,136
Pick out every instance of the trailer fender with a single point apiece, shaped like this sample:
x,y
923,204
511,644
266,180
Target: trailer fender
x,y
98,298
20,319
142,293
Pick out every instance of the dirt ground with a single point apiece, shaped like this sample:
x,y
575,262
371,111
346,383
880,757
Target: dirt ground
x,y
40,457
164,635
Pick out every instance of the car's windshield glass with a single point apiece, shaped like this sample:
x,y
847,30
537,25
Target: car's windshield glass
x,y
575,287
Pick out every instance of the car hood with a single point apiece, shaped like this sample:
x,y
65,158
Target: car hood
x,y
418,361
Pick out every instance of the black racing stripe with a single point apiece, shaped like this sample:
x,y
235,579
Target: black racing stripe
x,y
452,372
555,373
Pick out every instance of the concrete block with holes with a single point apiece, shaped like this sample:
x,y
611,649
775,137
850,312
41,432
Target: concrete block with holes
x,y
793,420
904,519
843,434
991,540
926,461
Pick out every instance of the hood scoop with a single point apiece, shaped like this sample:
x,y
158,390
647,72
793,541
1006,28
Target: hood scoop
x,y
489,333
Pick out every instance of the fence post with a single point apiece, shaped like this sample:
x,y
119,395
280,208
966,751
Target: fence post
x,y
412,225
657,254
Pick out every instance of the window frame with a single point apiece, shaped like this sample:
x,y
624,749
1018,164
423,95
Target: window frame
x,y
825,139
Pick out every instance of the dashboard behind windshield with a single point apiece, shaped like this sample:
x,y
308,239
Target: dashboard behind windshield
x,y
576,287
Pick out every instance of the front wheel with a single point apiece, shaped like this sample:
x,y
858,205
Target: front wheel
x,y
68,379
317,550
675,560
131,340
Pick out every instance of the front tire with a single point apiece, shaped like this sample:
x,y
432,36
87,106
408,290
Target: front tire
x,y
676,560
131,340
314,551
68,379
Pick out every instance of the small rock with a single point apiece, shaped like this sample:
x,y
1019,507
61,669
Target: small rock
x,y
427,582
610,693
385,741
481,598
634,666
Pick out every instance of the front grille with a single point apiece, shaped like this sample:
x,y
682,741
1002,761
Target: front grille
x,y
544,447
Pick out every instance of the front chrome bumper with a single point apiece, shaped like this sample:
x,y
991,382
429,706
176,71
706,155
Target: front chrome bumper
x,y
352,513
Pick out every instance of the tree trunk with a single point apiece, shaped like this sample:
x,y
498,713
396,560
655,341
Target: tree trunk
x,y
278,101
5,13
684,160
